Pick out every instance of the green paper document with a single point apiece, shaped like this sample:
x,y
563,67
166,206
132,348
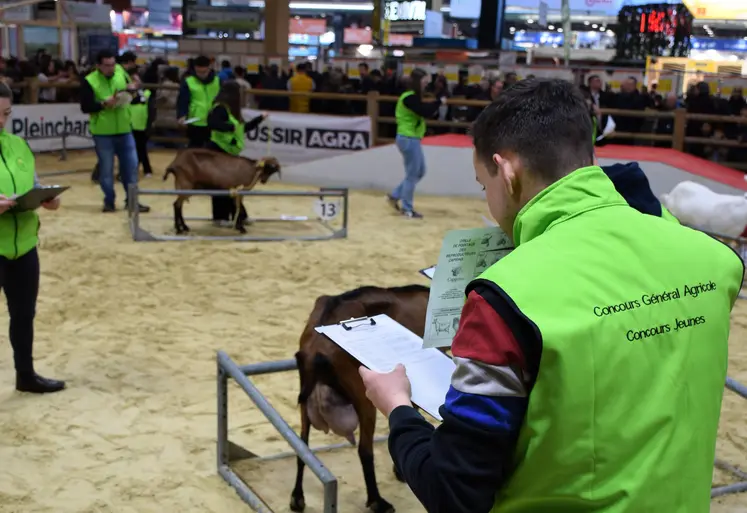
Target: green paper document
x,y
465,254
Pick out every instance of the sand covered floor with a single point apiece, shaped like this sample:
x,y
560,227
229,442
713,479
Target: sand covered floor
x,y
134,328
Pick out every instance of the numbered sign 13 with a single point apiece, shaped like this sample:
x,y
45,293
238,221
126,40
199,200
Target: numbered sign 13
x,y
327,208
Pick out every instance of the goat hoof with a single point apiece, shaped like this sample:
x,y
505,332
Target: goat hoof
x,y
397,475
380,506
241,229
297,503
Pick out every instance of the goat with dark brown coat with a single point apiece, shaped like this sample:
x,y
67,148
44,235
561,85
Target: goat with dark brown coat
x,y
199,168
332,393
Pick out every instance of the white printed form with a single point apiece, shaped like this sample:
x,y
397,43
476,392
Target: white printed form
x,y
383,344
465,254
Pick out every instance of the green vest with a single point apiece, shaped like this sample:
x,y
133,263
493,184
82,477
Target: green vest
x,y
230,142
595,124
409,124
139,113
633,313
18,231
201,97
113,121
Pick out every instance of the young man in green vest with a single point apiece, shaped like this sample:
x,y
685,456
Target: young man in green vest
x,y
196,95
110,125
591,360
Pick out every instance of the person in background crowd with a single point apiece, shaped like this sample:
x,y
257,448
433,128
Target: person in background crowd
x,y
510,79
630,98
228,135
665,126
226,72
301,82
736,102
545,364
411,113
69,74
143,114
19,259
128,61
110,125
49,72
700,101
196,96
272,81
239,73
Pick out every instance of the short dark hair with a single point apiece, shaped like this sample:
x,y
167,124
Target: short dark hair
x,y
591,77
104,54
5,91
202,61
544,122
127,57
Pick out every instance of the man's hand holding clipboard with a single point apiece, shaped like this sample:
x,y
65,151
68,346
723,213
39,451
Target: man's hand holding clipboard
x,y
387,390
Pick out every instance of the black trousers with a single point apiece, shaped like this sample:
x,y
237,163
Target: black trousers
x,y
224,207
19,280
141,145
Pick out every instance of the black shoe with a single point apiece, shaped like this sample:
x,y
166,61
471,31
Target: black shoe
x,y
393,202
35,384
108,208
412,214
143,209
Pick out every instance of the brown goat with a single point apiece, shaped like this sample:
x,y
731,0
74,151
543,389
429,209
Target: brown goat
x,y
198,168
332,393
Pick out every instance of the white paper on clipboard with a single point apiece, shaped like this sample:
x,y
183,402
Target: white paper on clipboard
x,y
380,343
190,121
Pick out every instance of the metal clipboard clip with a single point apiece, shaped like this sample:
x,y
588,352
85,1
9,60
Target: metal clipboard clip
x,y
358,320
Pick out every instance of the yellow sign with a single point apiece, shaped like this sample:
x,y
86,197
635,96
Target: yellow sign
x,y
717,9
474,74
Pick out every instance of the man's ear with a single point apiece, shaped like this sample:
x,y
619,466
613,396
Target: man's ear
x,y
506,173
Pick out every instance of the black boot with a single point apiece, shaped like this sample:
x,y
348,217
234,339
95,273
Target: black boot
x,y
33,383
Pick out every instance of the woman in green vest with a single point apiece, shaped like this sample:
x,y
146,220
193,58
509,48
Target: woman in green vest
x,y
228,135
411,113
590,360
19,260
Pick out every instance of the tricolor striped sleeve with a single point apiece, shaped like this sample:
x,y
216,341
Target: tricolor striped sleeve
x,y
489,386
459,466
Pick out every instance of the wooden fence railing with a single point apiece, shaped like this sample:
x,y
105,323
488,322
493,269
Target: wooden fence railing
x,y
373,100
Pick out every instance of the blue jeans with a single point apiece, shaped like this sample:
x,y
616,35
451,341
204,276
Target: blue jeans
x,y
412,153
123,146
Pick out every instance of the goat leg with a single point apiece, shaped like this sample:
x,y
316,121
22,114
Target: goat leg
x,y
240,215
367,415
298,502
181,226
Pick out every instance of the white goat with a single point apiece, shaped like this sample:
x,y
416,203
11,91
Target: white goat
x,y
699,207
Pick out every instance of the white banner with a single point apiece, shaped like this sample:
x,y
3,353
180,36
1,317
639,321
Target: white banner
x,y
42,126
295,138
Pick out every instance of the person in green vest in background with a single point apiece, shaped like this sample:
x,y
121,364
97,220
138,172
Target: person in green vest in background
x,y
19,258
228,135
142,115
196,96
411,113
100,94
591,360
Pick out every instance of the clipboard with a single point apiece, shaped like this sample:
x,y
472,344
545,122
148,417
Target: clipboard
x,y
428,272
380,343
34,198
